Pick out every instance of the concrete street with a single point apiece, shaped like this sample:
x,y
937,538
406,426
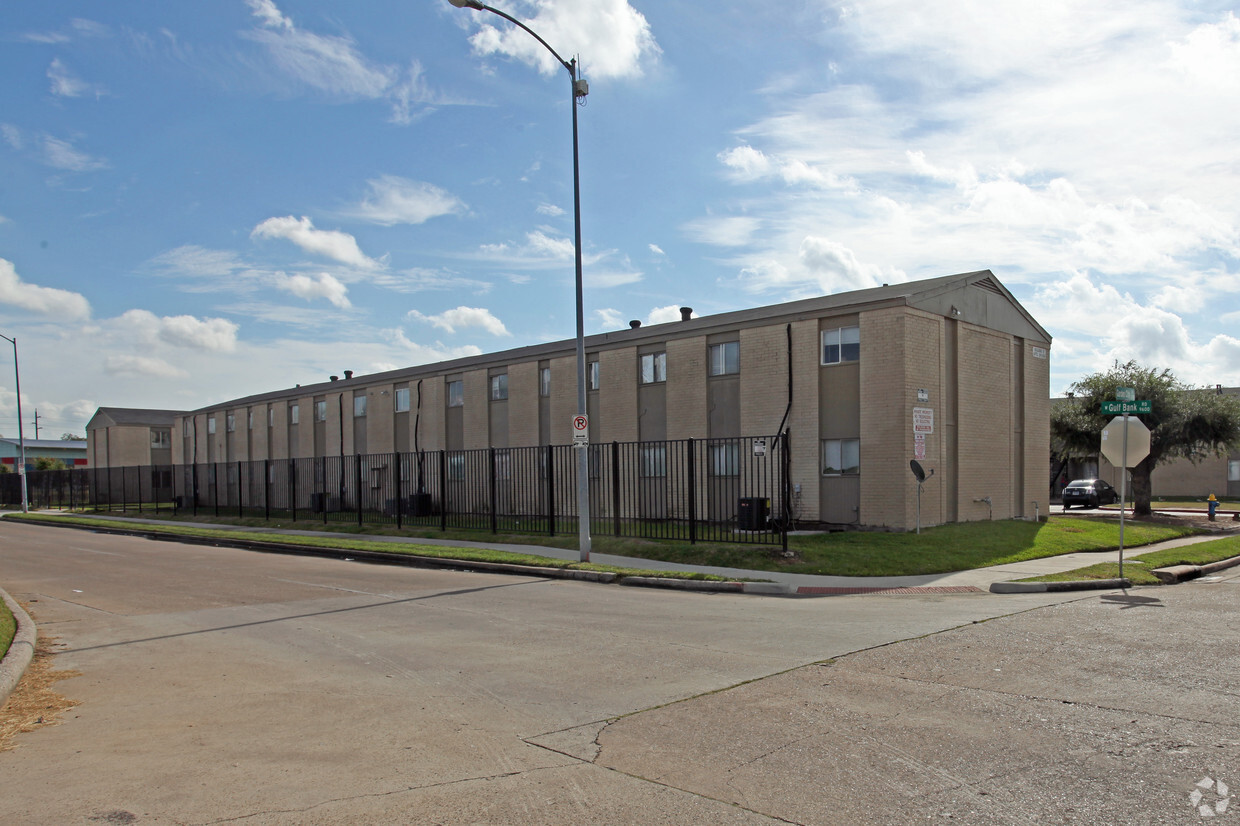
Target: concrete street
x,y
220,685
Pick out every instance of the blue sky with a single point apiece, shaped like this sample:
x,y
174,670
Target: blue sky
x,y
199,201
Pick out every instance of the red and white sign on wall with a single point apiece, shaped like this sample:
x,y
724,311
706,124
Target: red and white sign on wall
x,y
923,420
919,445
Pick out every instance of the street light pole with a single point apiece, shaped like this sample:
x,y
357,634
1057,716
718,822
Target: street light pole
x,y
21,439
579,90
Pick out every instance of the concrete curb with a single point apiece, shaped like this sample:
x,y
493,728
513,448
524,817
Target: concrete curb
x,y
416,561
20,652
1044,587
1181,573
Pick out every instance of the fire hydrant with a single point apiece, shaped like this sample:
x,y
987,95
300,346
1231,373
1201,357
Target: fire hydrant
x,y
1212,504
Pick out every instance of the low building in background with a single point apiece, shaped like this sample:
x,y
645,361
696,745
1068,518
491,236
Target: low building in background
x,y
951,372
71,453
130,437
1177,479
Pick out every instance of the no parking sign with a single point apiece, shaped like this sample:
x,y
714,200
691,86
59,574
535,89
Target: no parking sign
x,y
581,430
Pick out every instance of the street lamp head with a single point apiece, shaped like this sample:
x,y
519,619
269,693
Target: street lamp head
x,y
467,4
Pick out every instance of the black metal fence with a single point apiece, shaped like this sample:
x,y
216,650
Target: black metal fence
x,y
710,490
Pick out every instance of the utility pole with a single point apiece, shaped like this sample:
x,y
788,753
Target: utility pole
x,y
36,424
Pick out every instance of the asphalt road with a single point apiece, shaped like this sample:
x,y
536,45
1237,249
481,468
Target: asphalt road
x,y
228,686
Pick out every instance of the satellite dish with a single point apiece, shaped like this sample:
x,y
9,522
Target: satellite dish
x,y
917,471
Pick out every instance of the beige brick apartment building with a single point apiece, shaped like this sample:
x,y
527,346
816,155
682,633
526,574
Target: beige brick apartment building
x,y
848,375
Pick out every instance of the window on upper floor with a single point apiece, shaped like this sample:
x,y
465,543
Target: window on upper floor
x,y
841,457
359,405
231,422
725,358
654,368
544,381
402,399
592,375
320,411
456,393
161,439
294,413
499,387
271,416
841,344
211,425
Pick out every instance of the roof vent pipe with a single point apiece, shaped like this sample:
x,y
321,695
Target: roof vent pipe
x,y
348,374
686,313
634,324
335,378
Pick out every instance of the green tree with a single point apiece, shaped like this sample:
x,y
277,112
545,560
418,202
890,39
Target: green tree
x,y
1185,422
44,463
71,437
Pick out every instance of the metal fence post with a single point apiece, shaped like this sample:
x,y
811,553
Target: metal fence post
x,y
550,460
615,488
494,488
690,448
357,478
443,490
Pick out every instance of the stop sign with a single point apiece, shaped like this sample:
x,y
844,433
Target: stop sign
x,y
1113,441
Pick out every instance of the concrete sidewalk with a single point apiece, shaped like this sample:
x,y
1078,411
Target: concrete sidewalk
x,y
785,584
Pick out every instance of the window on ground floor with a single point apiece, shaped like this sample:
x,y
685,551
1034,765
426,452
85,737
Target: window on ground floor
x,y
841,457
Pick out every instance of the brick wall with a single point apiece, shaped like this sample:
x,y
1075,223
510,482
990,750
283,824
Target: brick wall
x,y
523,404
985,419
1037,429
686,388
617,397
803,418
886,429
477,388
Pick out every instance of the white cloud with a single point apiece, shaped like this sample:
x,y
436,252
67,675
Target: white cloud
x,y
141,367
656,249
723,231
49,301
394,200
63,155
339,246
64,82
605,279
464,317
609,319
334,65
309,288
12,135
415,353
210,334
615,36
549,209
662,315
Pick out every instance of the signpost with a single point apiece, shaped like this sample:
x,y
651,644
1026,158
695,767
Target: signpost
x,y
1125,443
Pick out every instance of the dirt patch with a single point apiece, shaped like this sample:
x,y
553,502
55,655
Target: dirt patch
x,y
34,703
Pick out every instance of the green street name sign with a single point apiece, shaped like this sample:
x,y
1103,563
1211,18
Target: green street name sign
x,y
1126,407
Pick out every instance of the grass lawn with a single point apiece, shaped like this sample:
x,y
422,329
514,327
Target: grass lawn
x,y
1193,503
942,549
1137,568
8,627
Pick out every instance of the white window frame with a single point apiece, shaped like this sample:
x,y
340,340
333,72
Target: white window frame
x,y
401,400
456,393
544,382
593,375
1233,470
320,411
846,344
841,457
294,413
161,439
359,406
654,368
499,387
230,422
210,425
725,358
